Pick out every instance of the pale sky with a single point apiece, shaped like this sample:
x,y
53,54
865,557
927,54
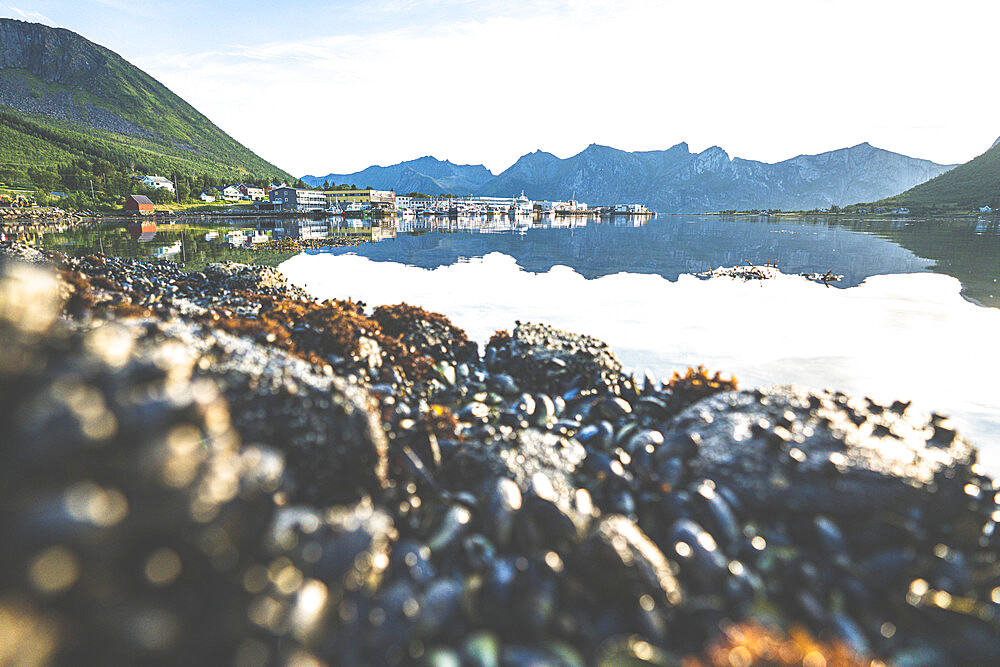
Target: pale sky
x,y
320,87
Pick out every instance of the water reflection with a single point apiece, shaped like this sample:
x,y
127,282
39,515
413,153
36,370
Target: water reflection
x,y
142,232
669,246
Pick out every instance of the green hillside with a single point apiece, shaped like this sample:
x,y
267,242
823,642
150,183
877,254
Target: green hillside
x,y
967,187
69,106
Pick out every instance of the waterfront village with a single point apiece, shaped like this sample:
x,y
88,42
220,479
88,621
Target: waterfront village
x,y
370,202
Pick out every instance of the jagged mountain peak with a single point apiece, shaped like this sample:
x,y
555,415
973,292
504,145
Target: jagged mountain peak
x,y
676,180
600,149
714,150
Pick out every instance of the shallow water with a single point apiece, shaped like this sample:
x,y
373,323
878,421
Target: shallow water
x,y
896,329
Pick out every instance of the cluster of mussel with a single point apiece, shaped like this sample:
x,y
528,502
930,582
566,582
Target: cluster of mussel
x,y
174,493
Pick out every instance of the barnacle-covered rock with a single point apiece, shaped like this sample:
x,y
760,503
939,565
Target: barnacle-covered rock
x,y
259,279
819,451
430,334
328,430
544,358
129,508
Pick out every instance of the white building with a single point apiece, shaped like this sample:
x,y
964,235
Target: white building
x,y
158,182
206,197
296,199
231,193
251,192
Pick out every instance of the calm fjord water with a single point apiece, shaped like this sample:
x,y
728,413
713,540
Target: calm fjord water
x,y
898,325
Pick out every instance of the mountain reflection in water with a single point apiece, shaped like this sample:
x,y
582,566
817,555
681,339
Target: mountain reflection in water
x,y
670,246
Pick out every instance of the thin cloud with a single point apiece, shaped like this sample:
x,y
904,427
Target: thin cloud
x,y
32,16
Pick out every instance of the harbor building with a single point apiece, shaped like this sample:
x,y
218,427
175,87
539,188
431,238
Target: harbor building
x,y
297,199
631,209
138,204
250,192
384,199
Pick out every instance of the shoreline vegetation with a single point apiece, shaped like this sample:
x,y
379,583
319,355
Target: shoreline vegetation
x,y
212,466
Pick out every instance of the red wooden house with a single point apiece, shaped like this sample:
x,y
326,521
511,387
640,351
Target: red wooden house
x,y
138,204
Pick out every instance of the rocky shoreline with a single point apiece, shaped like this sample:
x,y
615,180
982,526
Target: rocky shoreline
x,y
214,468
45,215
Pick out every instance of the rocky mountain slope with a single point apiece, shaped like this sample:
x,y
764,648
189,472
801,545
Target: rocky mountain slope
x,y
63,97
967,187
677,180
427,174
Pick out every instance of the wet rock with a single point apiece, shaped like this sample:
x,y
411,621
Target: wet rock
x,y
347,547
543,358
430,334
817,451
259,279
130,508
329,431
627,563
22,253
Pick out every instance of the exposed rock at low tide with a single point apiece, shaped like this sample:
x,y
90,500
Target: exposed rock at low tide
x,y
819,451
258,279
213,468
549,359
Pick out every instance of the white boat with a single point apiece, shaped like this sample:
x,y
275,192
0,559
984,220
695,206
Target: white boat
x,y
522,206
335,210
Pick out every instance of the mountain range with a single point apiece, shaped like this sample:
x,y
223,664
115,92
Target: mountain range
x,y
65,98
672,180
